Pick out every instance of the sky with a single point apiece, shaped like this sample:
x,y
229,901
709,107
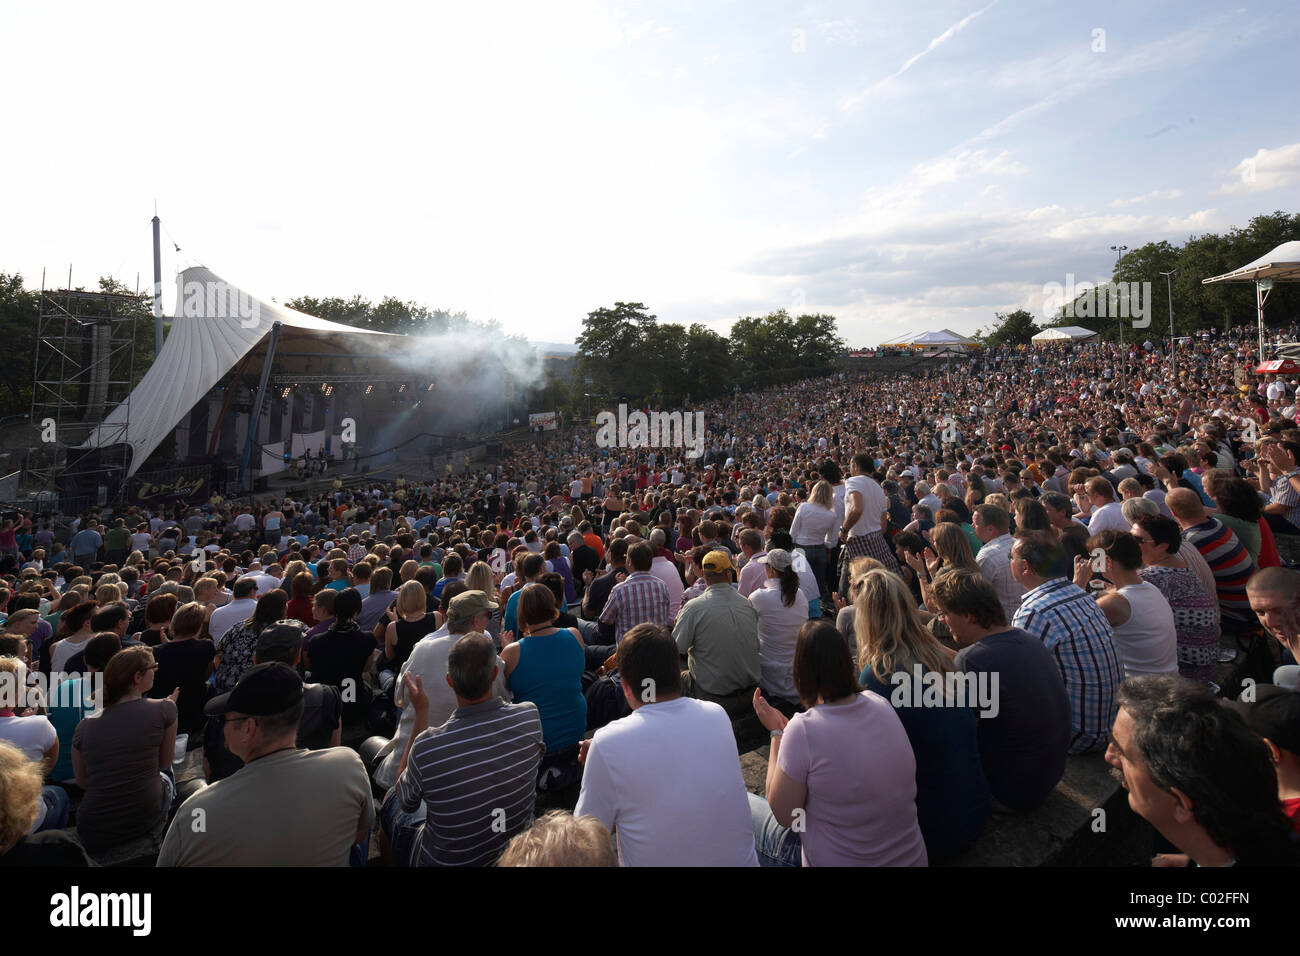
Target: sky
x,y
899,165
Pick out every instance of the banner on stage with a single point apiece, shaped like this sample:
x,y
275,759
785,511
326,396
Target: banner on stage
x,y
173,491
547,421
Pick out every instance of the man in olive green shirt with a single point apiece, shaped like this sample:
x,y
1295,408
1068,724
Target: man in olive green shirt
x,y
117,542
717,632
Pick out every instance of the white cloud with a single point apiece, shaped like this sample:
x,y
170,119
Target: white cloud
x,y
853,102
1267,169
1155,194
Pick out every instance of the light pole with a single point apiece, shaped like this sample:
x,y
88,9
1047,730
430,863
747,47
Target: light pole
x,y
1173,342
1123,362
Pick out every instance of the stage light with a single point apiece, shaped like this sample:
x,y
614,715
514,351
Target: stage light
x,y
430,388
369,389
401,388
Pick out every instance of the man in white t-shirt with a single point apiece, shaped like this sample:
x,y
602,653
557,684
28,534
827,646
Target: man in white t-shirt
x,y
1104,513
667,777
865,507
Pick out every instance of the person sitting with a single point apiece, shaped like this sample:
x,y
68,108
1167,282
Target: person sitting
x,y
475,775
667,777
1198,775
327,790
467,612
122,758
843,769
321,725
899,660
21,805
1143,622
339,656
560,839
1075,630
1023,743
782,610
717,633
185,663
545,667
1196,609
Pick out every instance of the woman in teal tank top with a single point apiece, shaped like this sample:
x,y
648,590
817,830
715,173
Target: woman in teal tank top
x,y
546,667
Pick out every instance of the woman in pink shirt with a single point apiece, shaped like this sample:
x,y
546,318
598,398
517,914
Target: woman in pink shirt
x,y
841,776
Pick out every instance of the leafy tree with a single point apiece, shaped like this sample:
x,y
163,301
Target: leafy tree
x,y
1011,328
611,349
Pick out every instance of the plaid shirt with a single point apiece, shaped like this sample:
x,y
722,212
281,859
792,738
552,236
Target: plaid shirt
x,y
1071,625
1283,493
641,598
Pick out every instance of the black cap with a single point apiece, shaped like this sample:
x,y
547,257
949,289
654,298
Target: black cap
x,y
1277,717
280,638
263,691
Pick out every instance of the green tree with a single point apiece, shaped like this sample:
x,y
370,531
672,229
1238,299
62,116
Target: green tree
x,y
611,349
1010,328
18,313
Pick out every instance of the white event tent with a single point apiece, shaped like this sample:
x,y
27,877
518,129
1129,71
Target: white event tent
x,y
1066,333
1281,264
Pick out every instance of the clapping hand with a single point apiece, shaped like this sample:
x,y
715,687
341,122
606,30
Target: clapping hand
x,y
768,716
1082,571
415,694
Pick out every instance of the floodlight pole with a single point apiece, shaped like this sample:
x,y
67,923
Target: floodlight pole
x,y
1173,342
157,289
1123,363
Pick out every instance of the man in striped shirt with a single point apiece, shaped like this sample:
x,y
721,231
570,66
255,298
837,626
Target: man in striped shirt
x,y
641,598
1071,625
1229,561
476,774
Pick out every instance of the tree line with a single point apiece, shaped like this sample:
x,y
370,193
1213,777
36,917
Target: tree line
x,y
1195,306
625,353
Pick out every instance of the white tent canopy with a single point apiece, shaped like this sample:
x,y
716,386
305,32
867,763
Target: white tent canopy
x,y
1065,333
942,338
208,338
1281,264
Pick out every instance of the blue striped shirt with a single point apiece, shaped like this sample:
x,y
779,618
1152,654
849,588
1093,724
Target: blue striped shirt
x,y
1071,625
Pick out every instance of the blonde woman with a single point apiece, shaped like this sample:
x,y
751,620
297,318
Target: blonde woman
x,y
408,570
950,549
482,578
410,623
903,662
22,802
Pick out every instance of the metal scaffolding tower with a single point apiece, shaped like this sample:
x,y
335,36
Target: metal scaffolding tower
x,y
84,368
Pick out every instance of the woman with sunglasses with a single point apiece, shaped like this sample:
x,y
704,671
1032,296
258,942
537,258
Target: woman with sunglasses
x,y
122,758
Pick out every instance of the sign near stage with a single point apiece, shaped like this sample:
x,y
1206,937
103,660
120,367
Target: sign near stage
x,y
183,488
547,421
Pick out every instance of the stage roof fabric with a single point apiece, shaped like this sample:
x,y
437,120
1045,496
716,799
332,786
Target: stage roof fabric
x,y
215,327
1066,333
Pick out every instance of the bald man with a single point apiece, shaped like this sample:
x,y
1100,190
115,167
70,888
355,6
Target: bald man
x,y
1274,595
1229,561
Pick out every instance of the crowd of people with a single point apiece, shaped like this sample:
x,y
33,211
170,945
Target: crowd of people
x,y
927,590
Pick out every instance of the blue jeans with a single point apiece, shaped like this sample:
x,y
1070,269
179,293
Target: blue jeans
x,y
400,827
817,560
776,845
56,808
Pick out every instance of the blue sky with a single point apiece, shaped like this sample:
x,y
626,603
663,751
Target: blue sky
x,y
899,165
